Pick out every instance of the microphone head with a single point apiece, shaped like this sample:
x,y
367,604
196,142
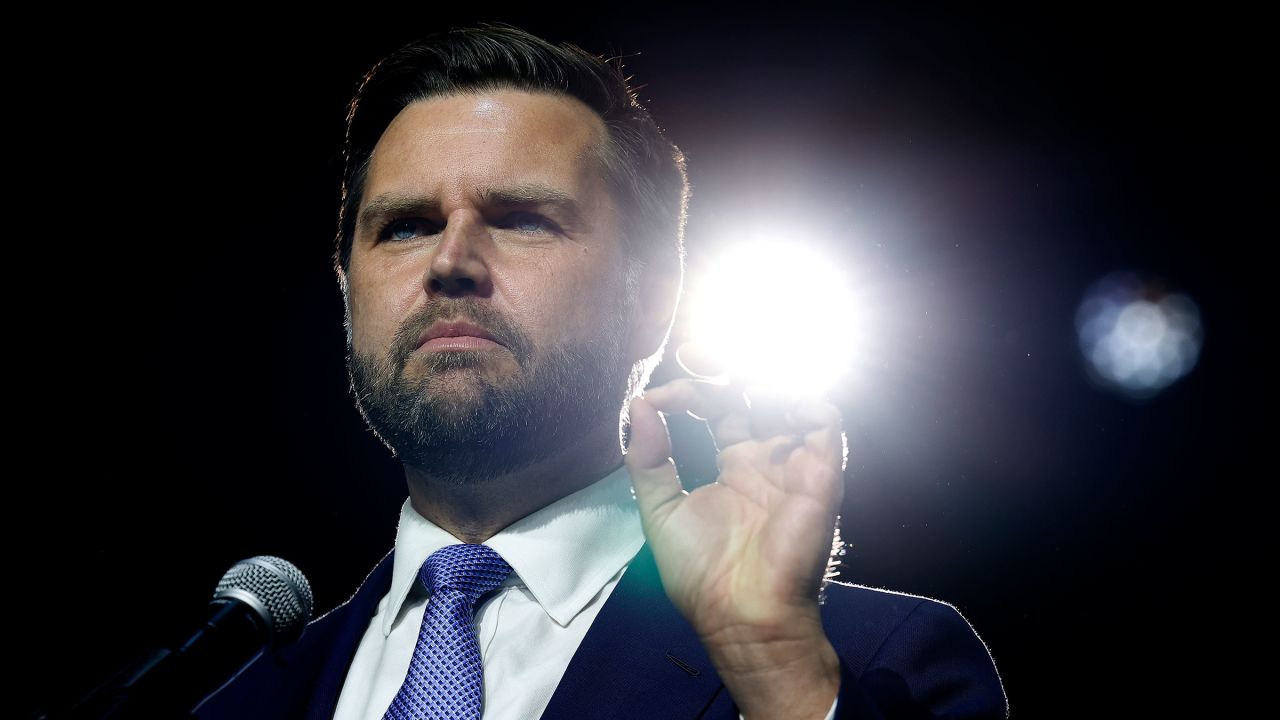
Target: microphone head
x,y
276,589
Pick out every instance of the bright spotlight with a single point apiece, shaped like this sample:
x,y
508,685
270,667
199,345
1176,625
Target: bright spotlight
x,y
1136,337
776,314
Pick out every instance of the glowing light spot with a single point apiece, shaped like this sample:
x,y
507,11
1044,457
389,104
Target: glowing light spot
x,y
1136,338
777,314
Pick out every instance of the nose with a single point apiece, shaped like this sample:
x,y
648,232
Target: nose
x,y
458,264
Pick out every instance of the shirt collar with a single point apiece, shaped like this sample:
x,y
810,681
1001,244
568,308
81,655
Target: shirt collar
x,y
564,553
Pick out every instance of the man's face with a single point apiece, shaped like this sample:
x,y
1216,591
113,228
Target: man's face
x,y
486,228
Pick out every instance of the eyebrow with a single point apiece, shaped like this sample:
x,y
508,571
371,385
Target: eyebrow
x,y
392,204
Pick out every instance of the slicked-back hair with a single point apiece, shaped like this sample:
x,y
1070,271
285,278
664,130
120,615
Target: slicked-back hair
x,y
644,172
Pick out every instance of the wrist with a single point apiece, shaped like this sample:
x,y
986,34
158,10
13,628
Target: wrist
x,y
790,672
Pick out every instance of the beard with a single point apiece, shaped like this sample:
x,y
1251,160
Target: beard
x,y
457,421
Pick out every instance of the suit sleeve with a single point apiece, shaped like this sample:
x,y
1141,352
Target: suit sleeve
x,y
932,665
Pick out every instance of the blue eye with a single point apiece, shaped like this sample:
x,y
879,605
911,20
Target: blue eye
x,y
402,229
405,229
526,222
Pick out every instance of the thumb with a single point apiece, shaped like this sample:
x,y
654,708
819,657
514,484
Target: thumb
x,y
648,460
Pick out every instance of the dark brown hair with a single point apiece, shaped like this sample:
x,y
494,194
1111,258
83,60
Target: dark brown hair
x,y
644,172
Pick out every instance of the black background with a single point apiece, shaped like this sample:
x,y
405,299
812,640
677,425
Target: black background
x,y
180,399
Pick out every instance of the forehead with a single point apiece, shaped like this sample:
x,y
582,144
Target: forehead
x,y
444,144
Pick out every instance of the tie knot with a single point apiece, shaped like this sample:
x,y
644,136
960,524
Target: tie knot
x,y
472,570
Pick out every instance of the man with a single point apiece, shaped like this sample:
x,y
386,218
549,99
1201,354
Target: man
x,y
510,254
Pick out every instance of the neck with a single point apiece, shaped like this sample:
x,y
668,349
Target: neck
x,y
474,512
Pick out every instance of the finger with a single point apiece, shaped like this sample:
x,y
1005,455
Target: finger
x,y
753,469
818,427
765,457
818,421
722,406
806,415
698,359
829,446
702,399
770,411
648,460
822,425
817,480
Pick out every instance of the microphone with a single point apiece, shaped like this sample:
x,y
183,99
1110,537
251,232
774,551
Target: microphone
x,y
262,603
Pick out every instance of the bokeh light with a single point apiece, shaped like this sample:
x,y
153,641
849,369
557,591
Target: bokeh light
x,y
777,314
1137,337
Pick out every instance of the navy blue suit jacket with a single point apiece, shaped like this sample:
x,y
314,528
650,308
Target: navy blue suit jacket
x,y
902,656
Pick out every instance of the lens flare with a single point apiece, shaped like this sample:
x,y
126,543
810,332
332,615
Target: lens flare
x,y
1136,337
776,315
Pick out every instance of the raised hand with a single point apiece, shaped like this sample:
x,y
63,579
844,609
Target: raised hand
x,y
743,558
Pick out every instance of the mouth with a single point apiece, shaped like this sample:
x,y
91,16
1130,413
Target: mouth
x,y
443,336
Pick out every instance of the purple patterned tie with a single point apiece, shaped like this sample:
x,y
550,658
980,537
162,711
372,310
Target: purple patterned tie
x,y
445,680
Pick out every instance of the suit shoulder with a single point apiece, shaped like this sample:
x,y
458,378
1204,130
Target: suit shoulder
x,y
845,595
889,605
914,643
867,610
872,611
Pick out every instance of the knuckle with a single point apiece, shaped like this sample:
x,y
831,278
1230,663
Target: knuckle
x,y
734,456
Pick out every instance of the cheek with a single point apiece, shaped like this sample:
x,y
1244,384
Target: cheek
x,y
570,300
555,297
377,309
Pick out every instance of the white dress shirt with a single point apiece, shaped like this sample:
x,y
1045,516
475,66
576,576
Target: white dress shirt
x,y
565,558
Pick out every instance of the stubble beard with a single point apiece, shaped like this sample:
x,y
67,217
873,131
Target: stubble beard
x,y
457,421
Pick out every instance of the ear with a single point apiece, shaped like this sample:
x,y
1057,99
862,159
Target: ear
x,y
344,289
657,297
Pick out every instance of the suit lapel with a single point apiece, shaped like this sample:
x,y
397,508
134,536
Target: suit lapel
x,y
348,628
302,680
640,659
